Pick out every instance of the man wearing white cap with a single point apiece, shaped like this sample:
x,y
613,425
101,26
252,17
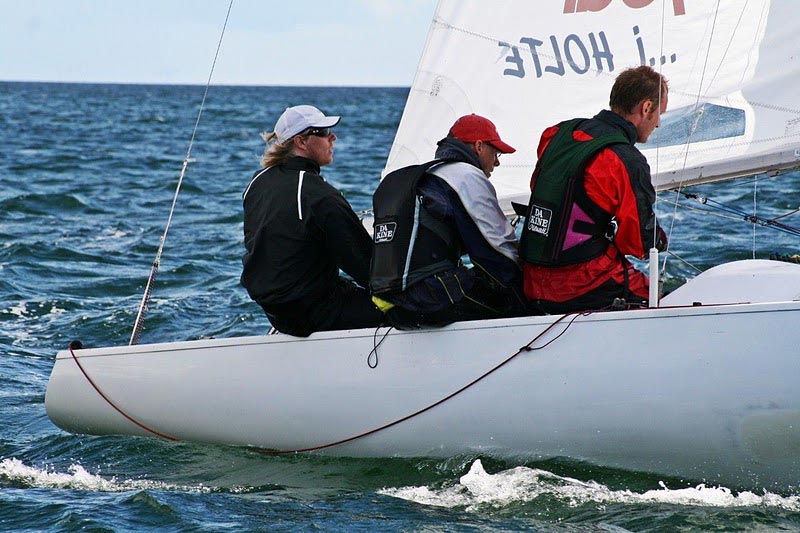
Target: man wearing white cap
x,y
299,231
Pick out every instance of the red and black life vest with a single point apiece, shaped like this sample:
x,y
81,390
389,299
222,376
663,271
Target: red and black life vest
x,y
563,226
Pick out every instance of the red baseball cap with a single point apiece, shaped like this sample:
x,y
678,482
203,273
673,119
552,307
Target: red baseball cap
x,y
472,128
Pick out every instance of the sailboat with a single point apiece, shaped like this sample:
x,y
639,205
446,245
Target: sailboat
x,y
704,386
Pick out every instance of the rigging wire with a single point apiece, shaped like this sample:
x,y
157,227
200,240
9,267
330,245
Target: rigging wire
x,y
695,123
755,207
792,212
660,89
138,324
738,214
684,261
660,280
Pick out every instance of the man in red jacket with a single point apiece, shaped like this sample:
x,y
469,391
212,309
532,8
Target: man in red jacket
x,y
592,203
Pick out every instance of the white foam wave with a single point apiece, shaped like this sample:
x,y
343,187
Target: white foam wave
x,y
110,234
78,478
19,310
25,309
57,311
521,484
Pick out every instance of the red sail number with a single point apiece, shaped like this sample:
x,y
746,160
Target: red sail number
x,y
580,6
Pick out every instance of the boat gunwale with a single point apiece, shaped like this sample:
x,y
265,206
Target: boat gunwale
x,y
529,320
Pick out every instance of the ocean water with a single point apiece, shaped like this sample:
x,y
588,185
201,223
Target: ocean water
x,y
87,176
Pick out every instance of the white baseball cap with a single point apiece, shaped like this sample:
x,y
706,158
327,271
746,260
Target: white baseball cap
x,y
299,118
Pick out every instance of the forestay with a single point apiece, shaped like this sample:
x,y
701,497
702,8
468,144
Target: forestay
x,y
732,67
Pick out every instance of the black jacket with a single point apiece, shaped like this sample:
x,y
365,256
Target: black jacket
x,y
434,259
295,249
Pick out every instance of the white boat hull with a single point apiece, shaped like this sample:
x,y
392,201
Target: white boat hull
x,y
713,394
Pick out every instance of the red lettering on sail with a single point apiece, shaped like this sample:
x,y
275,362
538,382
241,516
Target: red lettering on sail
x,y
579,6
582,6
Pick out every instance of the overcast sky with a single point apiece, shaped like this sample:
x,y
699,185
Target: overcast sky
x,y
285,42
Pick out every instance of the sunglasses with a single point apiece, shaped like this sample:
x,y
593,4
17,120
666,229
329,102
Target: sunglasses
x,y
318,132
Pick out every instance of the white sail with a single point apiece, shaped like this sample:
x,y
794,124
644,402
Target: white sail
x,y
527,65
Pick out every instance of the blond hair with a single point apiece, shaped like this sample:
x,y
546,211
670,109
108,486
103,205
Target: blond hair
x,y
275,153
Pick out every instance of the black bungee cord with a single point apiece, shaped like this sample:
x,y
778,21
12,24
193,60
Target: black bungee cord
x,y
376,344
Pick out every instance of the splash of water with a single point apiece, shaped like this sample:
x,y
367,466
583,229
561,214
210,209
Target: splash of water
x,y
522,484
15,471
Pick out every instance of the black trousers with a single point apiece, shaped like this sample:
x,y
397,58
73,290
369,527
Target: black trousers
x,y
345,306
476,297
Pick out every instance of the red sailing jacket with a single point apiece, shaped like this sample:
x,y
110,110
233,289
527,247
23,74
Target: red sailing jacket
x,y
617,179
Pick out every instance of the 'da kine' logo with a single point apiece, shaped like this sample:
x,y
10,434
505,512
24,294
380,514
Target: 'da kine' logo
x,y
385,232
539,220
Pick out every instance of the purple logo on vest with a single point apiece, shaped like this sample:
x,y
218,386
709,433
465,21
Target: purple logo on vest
x,y
384,232
539,219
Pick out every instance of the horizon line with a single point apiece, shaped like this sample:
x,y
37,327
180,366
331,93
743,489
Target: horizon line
x,y
193,84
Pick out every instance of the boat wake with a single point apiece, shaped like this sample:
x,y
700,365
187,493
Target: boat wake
x,y
477,488
15,472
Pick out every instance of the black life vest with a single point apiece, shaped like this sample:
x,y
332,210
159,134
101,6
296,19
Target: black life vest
x,y
563,226
409,244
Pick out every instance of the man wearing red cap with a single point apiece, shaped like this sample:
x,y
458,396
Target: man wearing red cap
x,y
427,216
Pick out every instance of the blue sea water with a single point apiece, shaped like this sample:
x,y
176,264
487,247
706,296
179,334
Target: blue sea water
x,y
87,176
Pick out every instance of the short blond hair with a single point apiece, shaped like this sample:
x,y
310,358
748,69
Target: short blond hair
x,y
276,153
